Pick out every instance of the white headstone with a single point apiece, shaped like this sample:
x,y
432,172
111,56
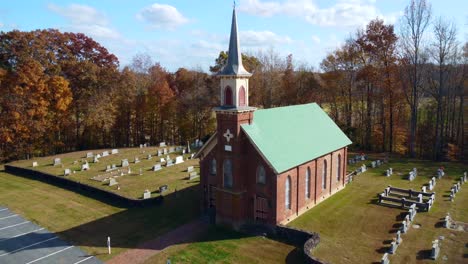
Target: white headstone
x,y
136,160
162,160
160,152
57,161
34,164
67,172
85,166
105,153
114,151
149,157
89,155
157,167
124,163
193,175
162,144
165,151
147,194
190,169
112,182
179,159
169,163
95,159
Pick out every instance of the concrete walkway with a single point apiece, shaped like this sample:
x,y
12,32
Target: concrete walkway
x,y
182,234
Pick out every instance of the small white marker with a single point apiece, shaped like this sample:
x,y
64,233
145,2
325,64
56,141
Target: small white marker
x,y
108,245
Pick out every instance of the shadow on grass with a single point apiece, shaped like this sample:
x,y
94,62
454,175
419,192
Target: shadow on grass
x,y
424,254
382,250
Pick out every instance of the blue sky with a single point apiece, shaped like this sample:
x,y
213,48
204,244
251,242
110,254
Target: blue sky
x,y
190,34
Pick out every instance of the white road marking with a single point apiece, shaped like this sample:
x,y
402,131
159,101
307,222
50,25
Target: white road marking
x,y
83,260
46,256
8,216
21,234
19,249
22,223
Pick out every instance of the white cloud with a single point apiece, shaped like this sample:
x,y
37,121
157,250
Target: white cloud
x,y
344,13
262,38
1,24
86,19
162,16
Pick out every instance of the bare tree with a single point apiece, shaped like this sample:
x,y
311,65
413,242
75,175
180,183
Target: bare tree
x,y
443,49
413,25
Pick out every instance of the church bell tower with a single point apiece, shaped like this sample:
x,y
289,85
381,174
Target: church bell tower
x,y
234,110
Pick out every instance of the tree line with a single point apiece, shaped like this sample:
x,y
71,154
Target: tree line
x,y
393,92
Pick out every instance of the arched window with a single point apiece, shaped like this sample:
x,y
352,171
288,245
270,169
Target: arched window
x,y
228,96
227,173
338,167
324,175
213,167
307,183
261,177
242,96
287,193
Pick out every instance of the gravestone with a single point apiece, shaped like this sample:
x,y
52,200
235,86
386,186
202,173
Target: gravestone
x,y
141,171
193,175
183,151
114,151
363,168
163,189
384,259
440,173
124,163
179,159
398,237
435,249
95,159
34,164
112,182
66,172
190,169
89,155
387,173
423,189
149,157
373,164
415,172
404,227
171,149
136,160
57,162
98,156
447,221
393,247
141,145
114,167
411,176
430,186
391,171
108,168
160,152
162,144
105,153
85,166
165,151
157,167
162,160
192,155
169,163
146,194
451,197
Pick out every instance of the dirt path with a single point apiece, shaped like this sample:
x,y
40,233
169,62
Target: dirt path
x,y
182,234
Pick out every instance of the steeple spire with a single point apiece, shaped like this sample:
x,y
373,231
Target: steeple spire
x,y
234,64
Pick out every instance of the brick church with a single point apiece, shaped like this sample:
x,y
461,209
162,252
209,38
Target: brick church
x,y
267,165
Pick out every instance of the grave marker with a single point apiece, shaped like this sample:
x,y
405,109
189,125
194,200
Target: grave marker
x,y
124,163
95,159
190,169
393,247
112,182
105,153
157,167
114,151
66,172
85,166
169,163
57,162
146,194
193,175
34,164
136,160
162,144
435,249
385,259
149,157
89,155
163,189
179,159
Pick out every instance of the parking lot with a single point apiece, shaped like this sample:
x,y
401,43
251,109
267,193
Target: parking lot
x,y
22,241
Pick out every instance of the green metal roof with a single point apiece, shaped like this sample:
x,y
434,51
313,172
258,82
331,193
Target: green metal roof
x,y
292,135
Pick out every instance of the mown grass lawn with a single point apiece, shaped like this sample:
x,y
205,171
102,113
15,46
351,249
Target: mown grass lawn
x,y
355,229
220,245
133,185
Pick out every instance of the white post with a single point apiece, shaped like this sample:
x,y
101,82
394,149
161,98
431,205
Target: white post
x,y
108,245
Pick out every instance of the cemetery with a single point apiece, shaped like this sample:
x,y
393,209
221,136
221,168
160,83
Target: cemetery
x,y
127,172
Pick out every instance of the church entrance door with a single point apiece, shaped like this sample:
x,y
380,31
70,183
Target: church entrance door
x,y
261,209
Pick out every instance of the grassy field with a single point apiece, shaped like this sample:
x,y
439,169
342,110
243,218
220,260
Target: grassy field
x,y
355,229
219,245
133,185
